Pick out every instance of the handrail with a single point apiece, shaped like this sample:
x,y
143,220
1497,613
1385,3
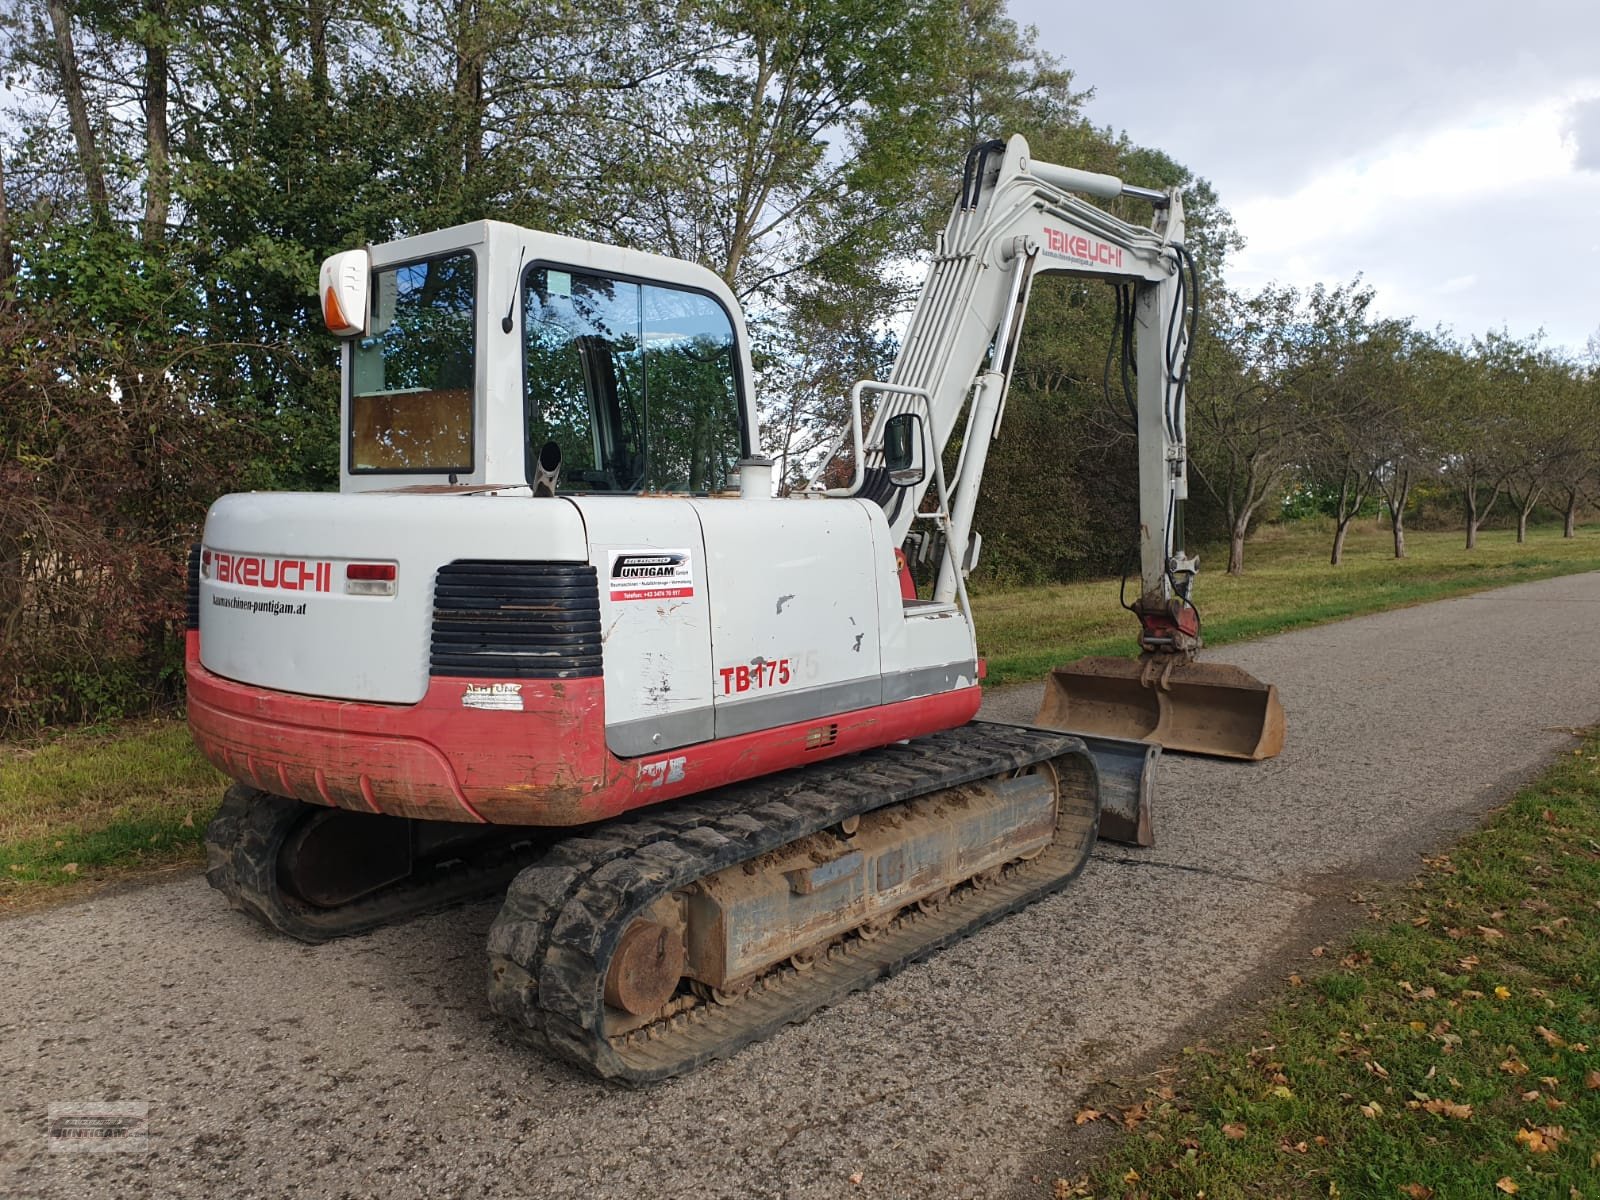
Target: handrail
x,y
857,437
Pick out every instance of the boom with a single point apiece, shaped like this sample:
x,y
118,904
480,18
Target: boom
x,y
1016,218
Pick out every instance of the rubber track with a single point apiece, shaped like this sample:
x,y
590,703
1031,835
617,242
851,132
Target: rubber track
x,y
551,944
242,847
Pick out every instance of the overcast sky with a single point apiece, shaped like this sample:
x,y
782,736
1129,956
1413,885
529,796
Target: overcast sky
x,y
1447,151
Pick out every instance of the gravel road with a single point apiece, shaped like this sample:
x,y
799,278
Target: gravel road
x,y
373,1067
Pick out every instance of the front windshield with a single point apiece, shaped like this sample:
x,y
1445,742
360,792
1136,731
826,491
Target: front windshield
x,y
636,382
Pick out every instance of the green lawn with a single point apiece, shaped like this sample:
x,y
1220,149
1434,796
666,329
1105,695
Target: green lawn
x,y
1287,584
1451,1051
92,805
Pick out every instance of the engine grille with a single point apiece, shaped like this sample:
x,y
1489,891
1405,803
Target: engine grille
x,y
192,599
517,620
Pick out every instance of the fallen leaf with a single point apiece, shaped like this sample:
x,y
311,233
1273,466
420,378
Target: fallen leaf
x,y
1417,1191
1467,963
1419,1026
1506,1185
70,868
1533,1141
1233,1131
1592,1079
1550,1081
1085,1115
1132,1116
1295,981
1530,1096
856,1178
1551,1037
1372,1111
1503,992
1131,1177
188,820
1282,1093
1448,1108
1514,1066
1318,951
1490,934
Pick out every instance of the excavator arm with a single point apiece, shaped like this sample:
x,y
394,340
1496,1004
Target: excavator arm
x,y
1016,218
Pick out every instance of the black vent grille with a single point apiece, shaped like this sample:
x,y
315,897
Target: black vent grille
x,y
192,601
516,620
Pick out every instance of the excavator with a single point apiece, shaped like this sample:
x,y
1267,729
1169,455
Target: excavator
x,y
557,638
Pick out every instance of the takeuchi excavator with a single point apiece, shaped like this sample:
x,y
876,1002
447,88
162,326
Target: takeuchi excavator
x,y
556,636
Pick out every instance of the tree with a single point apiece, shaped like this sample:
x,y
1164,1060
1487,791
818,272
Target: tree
x,y
1253,402
1410,424
1484,444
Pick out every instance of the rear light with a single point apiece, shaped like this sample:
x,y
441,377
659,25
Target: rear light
x,y
370,579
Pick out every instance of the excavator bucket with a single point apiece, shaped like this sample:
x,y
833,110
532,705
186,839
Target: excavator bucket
x,y
1191,707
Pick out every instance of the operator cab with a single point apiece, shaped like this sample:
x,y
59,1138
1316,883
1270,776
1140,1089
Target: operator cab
x,y
630,376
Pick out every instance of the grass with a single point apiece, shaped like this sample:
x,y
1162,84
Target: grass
x,y
1287,584
92,805
1452,1050
98,804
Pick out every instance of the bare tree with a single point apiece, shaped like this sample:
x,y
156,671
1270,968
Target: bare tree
x,y
6,267
72,92
158,176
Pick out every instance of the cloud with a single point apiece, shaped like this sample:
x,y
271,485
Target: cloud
x,y
1583,127
1486,157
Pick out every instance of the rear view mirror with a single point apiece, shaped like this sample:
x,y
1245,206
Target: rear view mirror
x,y
342,288
903,449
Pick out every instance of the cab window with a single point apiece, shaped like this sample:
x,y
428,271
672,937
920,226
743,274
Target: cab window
x,y
636,382
411,393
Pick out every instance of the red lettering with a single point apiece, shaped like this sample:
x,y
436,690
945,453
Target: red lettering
x,y
741,679
727,680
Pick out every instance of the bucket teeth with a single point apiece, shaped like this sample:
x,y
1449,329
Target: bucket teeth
x,y
1192,707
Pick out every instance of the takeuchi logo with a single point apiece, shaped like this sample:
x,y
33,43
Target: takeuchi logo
x,y
252,570
1084,249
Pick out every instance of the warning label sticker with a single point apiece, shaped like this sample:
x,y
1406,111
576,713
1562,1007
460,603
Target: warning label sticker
x,y
652,574
502,697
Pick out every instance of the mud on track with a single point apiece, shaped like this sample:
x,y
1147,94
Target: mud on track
x,y
374,1068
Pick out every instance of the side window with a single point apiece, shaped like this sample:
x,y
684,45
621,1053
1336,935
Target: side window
x,y
584,377
411,395
637,383
695,431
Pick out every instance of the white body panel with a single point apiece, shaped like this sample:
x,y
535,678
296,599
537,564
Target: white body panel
x,y
796,604
320,641
656,630
739,615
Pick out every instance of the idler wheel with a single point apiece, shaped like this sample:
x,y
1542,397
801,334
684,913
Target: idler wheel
x,y
645,970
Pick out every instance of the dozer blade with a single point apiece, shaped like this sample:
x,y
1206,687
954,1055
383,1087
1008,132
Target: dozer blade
x,y
1192,707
